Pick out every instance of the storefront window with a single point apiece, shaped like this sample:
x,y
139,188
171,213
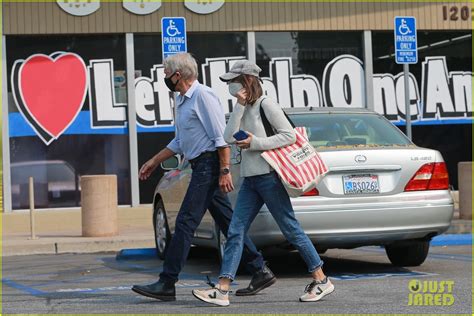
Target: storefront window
x,y
67,114
440,92
304,68
154,101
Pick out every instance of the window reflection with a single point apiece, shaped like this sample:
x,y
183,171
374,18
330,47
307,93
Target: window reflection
x,y
80,150
310,52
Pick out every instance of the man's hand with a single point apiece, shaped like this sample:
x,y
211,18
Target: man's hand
x,y
147,169
225,183
245,144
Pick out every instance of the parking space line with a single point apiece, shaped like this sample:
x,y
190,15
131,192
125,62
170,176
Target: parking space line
x,y
187,280
28,277
118,288
361,276
452,257
191,283
83,279
23,288
38,293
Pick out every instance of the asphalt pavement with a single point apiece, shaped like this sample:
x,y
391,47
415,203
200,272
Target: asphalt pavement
x,y
365,283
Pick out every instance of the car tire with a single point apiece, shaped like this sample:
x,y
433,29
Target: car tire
x,y
408,254
162,231
221,240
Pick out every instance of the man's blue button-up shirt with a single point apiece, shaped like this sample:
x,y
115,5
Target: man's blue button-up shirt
x,y
200,122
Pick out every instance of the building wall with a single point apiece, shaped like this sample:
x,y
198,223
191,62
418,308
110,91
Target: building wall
x,y
296,41
49,18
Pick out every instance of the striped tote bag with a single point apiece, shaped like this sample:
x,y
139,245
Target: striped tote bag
x,y
299,166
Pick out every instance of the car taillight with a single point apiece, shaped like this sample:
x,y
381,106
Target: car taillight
x,y
440,178
431,176
313,192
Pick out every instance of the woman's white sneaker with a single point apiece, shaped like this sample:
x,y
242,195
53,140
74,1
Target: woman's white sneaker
x,y
316,290
213,296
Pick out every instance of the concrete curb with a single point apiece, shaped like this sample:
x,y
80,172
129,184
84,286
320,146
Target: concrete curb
x,y
85,245
137,241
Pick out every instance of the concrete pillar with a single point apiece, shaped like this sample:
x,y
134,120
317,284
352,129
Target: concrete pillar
x,y
465,189
99,205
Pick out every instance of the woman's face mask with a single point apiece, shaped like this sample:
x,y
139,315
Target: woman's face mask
x,y
235,87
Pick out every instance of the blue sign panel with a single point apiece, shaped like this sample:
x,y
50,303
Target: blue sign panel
x,y
405,40
173,35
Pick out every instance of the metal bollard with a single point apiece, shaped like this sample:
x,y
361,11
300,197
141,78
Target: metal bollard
x,y
465,189
32,208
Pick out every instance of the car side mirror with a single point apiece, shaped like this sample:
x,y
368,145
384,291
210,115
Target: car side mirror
x,y
171,163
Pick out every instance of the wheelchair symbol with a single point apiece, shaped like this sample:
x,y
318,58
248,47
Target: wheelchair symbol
x,y
403,29
171,30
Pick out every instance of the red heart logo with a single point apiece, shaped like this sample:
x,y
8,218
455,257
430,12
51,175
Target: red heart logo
x,y
53,90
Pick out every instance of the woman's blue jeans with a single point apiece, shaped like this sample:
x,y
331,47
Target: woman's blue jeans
x,y
256,191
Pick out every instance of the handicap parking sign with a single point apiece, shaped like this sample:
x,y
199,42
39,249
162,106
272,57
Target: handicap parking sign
x,y
173,36
406,50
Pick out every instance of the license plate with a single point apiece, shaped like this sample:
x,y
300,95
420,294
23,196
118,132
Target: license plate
x,y
361,184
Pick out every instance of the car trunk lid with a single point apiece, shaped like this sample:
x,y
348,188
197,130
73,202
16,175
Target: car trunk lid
x,y
373,171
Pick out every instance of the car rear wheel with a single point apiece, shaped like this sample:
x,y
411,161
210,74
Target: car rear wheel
x,y
408,254
162,232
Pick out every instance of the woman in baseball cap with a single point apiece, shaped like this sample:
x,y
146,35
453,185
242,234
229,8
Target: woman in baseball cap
x,y
261,184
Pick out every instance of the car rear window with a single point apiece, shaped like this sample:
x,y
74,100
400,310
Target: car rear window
x,y
336,130
43,173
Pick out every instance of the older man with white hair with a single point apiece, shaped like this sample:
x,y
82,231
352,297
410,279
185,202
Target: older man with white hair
x,y
200,124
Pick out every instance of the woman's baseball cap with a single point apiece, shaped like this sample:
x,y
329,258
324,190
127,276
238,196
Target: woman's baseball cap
x,y
241,67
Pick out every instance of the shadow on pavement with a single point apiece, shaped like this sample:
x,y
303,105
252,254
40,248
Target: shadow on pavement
x,y
284,263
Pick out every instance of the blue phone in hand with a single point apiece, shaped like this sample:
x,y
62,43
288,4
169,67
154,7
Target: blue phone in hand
x,y
241,135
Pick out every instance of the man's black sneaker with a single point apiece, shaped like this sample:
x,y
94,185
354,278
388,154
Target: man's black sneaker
x,y
260,280
160,290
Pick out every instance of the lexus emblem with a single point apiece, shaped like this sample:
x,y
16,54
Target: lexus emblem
x,y
360,158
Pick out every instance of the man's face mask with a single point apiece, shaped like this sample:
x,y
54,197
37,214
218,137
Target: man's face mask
x,y
169,83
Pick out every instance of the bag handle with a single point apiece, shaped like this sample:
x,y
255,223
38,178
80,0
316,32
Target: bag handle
x,y
266,124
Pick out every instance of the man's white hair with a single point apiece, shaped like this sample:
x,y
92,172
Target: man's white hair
x,y
184,63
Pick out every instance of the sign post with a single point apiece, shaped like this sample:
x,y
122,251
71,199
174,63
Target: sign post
x,y
406,52
174,41
173,36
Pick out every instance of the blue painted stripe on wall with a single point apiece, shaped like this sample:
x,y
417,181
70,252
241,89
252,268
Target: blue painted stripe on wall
x,y
438,122
81,126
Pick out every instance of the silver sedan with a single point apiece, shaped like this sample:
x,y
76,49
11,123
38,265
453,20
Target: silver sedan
x,y
381,189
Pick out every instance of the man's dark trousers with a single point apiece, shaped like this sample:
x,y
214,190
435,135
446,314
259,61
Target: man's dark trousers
x,y
203,193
